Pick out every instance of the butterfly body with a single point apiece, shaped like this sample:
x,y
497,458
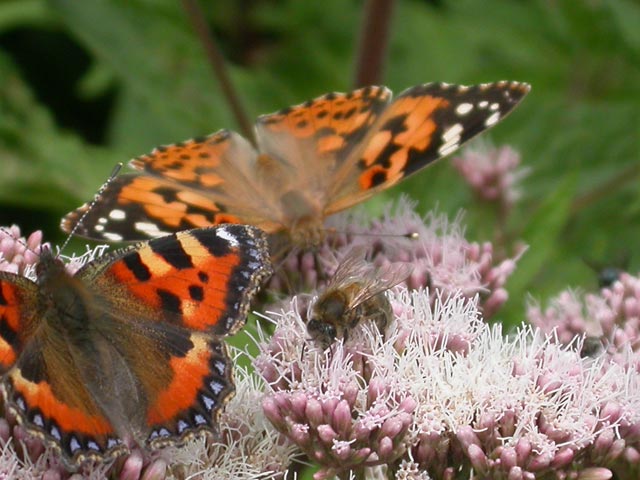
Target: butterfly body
x,y
311,160
127,352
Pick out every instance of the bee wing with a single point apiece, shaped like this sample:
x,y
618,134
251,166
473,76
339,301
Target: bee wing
x,y
378,280
355,269
349,269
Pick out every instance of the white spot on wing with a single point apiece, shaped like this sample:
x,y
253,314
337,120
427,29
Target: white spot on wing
x,y
216,387
74,444
220,367
451,138
99,228
492,119
494,106
483,104
116,237
464,108
224,233
209,403
117,214
149,229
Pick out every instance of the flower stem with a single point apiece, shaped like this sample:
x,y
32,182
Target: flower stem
x,y
373,41
217,62
614,184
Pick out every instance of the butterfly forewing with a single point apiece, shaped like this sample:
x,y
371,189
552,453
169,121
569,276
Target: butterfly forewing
x,y
423,124
139,207
185,277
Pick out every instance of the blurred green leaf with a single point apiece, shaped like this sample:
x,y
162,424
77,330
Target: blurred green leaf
x,y
542,233
42,166
19,12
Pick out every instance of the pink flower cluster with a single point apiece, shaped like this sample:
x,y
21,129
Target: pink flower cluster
x,y
608,324
18,254
612,316
492,173
336,405
439,255
441,394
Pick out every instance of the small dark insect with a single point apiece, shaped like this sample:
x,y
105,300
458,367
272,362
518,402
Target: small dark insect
x,y
608,273
355,293
608,276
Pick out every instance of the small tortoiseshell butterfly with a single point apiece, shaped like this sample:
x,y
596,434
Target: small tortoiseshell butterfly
x,y
355,293
312,160
128,351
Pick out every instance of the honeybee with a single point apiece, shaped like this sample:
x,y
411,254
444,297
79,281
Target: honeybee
x,y
355,293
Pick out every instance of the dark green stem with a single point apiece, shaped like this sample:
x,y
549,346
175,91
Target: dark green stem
x,y
217,62
373,42
614,184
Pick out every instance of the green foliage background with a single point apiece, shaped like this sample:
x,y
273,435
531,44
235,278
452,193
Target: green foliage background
x,y
87,84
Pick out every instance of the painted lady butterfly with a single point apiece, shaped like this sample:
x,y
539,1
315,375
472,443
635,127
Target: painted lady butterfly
x,y
128,350
313,160
355,293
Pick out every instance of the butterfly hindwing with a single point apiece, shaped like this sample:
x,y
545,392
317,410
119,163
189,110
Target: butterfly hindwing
x,y
17,308
42,385
191,402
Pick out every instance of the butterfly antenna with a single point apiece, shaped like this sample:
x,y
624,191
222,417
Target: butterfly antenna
x,y
409,235
96,197
12,235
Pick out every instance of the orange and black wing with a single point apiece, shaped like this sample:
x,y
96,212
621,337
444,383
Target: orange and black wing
x,y
41,383
201,279
197,183
170,300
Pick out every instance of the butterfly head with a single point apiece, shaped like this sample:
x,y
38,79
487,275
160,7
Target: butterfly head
x,y
48,261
